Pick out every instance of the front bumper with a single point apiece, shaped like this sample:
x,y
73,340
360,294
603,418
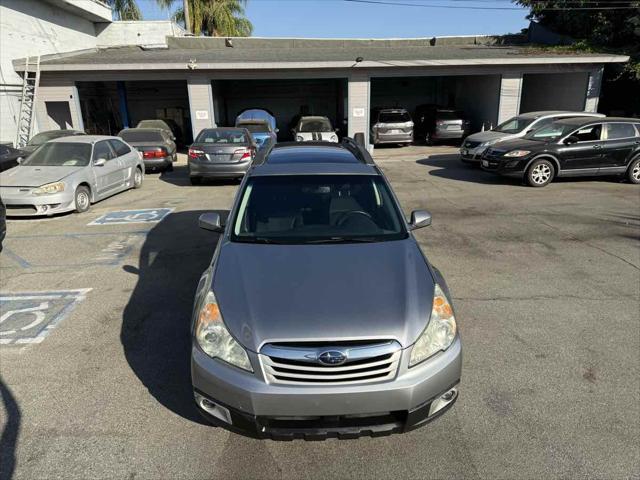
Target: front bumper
x,y
207,169
509,167
307,411
380,138
472,155
24,204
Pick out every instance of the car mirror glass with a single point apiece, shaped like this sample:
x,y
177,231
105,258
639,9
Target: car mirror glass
x,y
419,219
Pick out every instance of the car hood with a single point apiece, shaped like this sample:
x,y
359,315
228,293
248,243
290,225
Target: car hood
x,y
518,144
269,293
486,136
27,176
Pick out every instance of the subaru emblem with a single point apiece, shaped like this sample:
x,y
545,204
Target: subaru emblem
x,y
332,357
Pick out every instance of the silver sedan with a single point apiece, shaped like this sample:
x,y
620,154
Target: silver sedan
x,y
69,174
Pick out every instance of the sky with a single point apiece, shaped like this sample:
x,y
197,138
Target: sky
x,y
345,19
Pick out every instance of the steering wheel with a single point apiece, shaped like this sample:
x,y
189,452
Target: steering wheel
x,y
346,215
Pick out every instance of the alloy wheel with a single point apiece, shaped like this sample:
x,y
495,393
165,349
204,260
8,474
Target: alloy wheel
x,y
82,200
636,172
541,173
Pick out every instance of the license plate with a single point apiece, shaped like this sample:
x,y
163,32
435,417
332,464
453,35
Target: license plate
x,y
453,127
485,163
394,132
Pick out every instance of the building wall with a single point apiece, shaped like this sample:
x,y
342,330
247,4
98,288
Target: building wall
x,y
136,33
33,27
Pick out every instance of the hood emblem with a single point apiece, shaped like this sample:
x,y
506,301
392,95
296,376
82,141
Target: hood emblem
x,y
332,357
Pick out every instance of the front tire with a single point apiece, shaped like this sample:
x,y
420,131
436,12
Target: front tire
x,y
82,199
540,173
633,173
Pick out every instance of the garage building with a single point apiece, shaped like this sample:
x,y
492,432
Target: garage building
x,y
204,82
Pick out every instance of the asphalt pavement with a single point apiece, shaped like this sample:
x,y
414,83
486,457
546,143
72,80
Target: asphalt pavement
x,y
546,284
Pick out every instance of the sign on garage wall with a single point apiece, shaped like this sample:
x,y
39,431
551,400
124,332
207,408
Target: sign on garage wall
x,y
358,112
147,215
28,317
202,114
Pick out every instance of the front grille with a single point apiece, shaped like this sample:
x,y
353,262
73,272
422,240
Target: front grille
x,y
22,209
299,364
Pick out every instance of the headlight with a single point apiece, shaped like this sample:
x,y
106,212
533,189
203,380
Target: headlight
x,y
334,138
517,153
214,338
49,188
440,332
299,139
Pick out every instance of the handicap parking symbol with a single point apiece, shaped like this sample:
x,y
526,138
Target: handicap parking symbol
x,y
28,317
149,215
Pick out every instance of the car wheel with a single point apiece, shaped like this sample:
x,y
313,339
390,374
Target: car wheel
x,y
195,180
633,174
169,168
82,199
540,173
137,178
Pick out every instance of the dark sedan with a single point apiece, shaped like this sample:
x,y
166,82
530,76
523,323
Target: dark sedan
x,y
9,157
570,148
156,145
221,153
43,137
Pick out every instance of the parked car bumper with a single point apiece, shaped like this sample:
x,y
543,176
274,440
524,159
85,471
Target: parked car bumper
x,y
154,163
449,134
206,169
245,401
26,204
471,155
380,138
509,168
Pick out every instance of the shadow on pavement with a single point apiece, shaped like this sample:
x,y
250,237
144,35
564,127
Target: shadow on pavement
x,y
155,331
9,436
451,167
180,177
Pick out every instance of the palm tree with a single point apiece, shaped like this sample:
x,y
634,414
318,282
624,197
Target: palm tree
x,y
125,9
216,18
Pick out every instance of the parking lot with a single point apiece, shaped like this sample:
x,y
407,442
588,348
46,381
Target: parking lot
x,y
94,363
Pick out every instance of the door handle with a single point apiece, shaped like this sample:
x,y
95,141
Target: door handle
x,y
597,146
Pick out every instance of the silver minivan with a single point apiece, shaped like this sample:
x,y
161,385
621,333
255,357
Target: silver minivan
x,y
320,316
516,127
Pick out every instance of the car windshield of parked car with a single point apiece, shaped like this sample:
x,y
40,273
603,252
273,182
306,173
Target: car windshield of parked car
x,y
551,132
394,117
222,136
255,127
59,154
514,125
303,209
153,124
133,136
44,137
315,125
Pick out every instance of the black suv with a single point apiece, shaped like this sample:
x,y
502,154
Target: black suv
x,y
570,148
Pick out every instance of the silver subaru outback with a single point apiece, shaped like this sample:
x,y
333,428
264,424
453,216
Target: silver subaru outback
x,y
319,315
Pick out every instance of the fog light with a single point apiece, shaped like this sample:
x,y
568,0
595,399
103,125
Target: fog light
x,y
213,409
511,164
442,401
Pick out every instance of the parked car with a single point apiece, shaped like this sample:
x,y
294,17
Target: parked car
x,y
314,128
516,127
9,157
165,124
391,125
70,173
156,146
434,123
571,147
3,223
319,315
261,124
43,137
221,153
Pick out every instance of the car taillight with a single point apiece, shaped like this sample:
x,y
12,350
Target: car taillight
x,y
242,154
155,153
195,153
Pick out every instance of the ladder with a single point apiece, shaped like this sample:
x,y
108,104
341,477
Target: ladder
x,y
30,82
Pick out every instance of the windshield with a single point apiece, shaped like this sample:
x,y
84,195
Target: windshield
x,y
514,125
222,136
302,209
316,125
551,132
394,117
133,136
44,137
153,124
58,154
255,127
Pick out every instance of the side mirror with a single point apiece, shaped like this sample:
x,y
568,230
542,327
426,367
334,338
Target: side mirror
x,y
571,140
419,219
99,162
211,221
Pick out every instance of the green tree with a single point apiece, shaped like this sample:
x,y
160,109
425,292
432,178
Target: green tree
x,y
125,9
215,18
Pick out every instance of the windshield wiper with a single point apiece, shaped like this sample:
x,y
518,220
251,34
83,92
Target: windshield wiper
x,y
260,240
343,240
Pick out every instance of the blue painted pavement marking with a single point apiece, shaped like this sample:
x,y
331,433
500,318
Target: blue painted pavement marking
x,y
28,317
148,215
